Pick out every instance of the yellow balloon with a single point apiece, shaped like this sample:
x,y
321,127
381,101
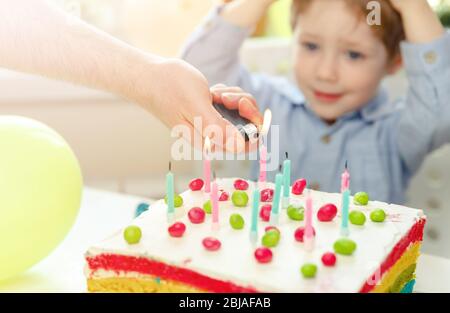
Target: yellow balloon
x,y
40,192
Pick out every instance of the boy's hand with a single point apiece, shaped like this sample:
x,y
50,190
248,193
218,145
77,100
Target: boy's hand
x,y
246,13
421,24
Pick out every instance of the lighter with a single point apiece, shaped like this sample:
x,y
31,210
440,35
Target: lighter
x,y
245,127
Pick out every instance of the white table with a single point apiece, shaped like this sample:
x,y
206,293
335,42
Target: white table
x,y
104,212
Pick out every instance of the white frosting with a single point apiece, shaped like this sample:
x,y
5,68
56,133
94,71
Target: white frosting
x,y
235,260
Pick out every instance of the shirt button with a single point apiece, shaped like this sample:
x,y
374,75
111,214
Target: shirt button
x,y
326,139
314,186
430,57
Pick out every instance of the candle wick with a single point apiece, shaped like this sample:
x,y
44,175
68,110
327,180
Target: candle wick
x,y
287,155
346,164
170,166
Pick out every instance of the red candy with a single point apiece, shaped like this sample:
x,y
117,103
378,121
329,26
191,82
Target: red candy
x,y
211,244
264,213
300,233
196,215
266,195
298,186
263,255
270,228
196,184
177,229
224,196
240,184
327,212
329,259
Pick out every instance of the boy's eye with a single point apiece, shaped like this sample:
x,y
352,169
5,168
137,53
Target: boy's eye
x,y
354,55
310,46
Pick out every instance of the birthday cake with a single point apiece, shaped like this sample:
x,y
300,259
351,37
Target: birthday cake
x,y
242,246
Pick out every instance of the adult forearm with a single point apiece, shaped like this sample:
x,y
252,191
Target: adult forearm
x,y
39,38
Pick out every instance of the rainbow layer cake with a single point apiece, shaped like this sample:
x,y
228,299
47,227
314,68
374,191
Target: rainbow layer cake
x,y
244,249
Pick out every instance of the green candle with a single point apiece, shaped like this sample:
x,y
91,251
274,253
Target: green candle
x,y
276,199
170,195
255,209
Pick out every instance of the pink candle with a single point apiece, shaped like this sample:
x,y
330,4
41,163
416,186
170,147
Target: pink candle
x,y
309,232
215,205
263,164
345,179
207,165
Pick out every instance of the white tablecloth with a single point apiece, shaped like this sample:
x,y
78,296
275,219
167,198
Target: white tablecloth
x,y
103,212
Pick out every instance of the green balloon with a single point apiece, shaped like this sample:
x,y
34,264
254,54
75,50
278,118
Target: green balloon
x,y
40,192
239,198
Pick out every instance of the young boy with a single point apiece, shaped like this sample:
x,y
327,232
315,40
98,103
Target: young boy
x,y
337,111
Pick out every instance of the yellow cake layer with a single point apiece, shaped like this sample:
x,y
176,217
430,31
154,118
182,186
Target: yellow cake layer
x,y
142,285
406,261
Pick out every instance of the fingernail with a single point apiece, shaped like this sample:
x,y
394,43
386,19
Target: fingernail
x,y
230,97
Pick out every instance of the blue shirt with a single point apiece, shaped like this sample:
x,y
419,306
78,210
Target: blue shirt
x,y
384,143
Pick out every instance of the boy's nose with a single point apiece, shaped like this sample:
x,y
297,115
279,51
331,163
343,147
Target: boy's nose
x,y
327,69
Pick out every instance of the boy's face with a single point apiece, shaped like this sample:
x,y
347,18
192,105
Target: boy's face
x,y
339,62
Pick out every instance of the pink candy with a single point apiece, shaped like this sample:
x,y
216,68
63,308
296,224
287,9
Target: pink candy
x,y
327,212
300,233
240,184
298,186
263,255
329,259
196,215
224,196
266,195
211,244
264,213
177,229
196,184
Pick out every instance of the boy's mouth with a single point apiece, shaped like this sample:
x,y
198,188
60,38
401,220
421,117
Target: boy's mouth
x,y
327,97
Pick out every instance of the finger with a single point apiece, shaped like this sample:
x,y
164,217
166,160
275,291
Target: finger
x,y
231,100
250,111
218,92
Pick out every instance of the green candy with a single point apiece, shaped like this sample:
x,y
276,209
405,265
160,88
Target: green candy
x,y
296,214
239,198
378,216
237,221
309,270
361,198
270,238
344,246
132,234
178,201
357,217
207,207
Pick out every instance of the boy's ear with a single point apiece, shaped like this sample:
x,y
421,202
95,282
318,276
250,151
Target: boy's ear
x,y
395,64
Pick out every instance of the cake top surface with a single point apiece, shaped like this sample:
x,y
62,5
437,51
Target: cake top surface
x,y
235,260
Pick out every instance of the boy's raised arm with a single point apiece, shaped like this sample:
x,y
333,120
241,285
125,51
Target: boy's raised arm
x,y
214,47
425,123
